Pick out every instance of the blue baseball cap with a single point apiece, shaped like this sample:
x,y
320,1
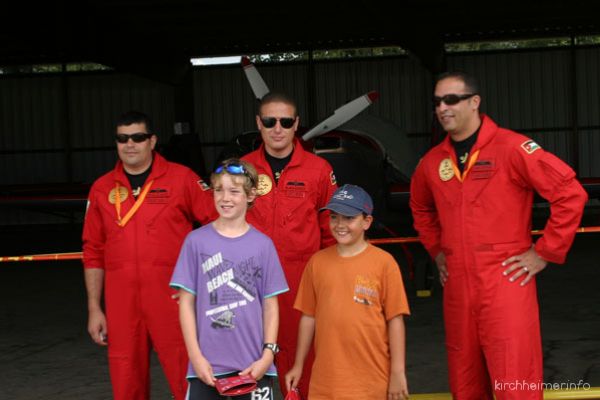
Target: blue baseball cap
x,y
350,200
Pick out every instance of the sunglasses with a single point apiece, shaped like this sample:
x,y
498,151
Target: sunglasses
x,y
286,123
235,169
136,137
451,99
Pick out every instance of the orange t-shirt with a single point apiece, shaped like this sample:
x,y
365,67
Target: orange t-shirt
x,y
351,299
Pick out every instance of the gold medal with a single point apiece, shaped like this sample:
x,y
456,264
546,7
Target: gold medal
x,y
122,195
264,184
445,170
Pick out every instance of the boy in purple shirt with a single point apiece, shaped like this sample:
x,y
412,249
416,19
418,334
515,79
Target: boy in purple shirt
x,y
229,277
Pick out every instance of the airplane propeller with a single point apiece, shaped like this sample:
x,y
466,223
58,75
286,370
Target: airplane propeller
x,y
259,87
340,116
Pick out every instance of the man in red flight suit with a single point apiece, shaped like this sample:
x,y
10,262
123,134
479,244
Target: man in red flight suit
x,y
137,217
293,185
471,198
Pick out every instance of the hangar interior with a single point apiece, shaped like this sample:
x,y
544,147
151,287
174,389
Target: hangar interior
x,y
56,131
56,118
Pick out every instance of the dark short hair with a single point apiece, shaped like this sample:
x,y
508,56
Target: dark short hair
x,y
135,117
277,97
471,83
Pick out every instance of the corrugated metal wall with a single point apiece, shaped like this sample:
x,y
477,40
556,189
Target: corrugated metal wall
x,y
31,123
538,93
225,105
588,107
95,102
403,84
404,87
42,119
59,128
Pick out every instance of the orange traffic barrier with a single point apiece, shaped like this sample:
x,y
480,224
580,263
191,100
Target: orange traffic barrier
x,y
409,239
44,257
412,239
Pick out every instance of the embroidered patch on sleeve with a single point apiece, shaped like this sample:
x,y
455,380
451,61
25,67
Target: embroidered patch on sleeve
x,y
203,185
332,178
530,146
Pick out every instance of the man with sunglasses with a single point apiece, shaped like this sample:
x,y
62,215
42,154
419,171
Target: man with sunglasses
x,y
137,217
293,185
471,198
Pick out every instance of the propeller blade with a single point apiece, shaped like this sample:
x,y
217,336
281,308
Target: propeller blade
x,y
259,87
342,115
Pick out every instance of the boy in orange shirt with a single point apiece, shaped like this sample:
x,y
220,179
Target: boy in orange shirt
x,y
352,296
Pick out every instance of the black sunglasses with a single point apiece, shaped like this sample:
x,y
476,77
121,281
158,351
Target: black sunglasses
x,y
451,99
269,122
136,137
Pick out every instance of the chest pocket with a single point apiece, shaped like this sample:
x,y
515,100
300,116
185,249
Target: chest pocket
x,y
159,196
299,201
160,203
483,169
482,175
295,189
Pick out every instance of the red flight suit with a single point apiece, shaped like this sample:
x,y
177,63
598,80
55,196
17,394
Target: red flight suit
x,y
288,212
492,325
138,260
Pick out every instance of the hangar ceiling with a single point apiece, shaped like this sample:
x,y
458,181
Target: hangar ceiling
x,y
157,37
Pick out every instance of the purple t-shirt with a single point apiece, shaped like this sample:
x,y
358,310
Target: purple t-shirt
x,y
230,277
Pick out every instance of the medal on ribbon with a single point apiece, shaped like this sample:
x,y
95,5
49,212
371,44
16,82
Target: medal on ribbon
x,y
112,196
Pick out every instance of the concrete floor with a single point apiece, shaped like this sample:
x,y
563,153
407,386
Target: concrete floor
x,y
45,352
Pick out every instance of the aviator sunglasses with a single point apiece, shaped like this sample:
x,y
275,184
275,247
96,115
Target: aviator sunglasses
x,y
136,137
451,99
286,123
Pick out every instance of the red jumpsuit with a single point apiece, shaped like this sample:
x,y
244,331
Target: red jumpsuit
x,y
492,325
289,214
138,260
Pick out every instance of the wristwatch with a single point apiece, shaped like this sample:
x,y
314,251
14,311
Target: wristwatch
x,y
271,346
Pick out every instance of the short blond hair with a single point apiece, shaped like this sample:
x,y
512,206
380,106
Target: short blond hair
x,y
248,176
